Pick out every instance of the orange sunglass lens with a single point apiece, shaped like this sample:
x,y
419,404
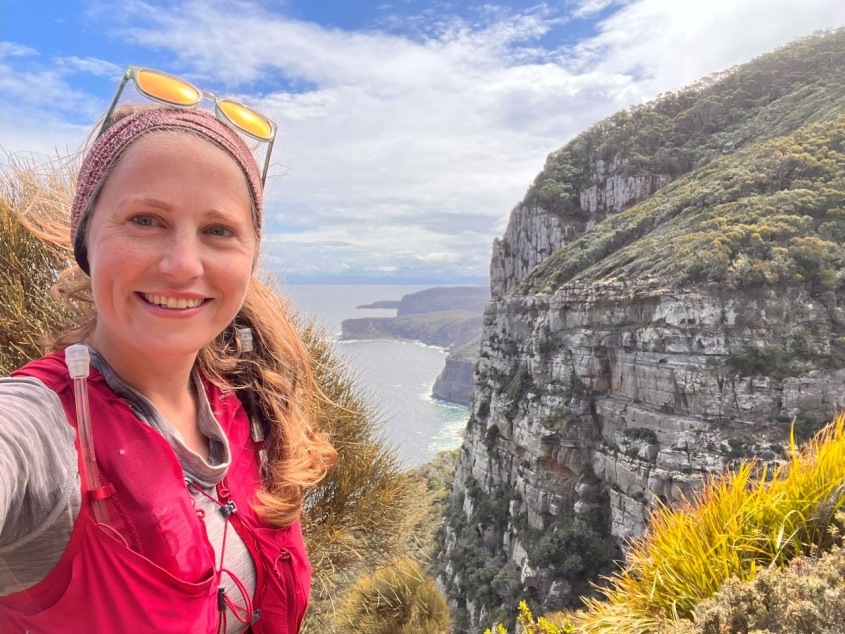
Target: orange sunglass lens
x,y
246,118
166,88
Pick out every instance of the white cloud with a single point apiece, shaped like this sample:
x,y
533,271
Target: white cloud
x,y
586,8
10,49
665,44
405,147
91,66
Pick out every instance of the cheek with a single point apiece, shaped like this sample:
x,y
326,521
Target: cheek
x,y
114,264
233,276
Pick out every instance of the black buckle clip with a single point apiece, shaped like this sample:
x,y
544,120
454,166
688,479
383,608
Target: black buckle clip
x,y
228,508
256,614
221,599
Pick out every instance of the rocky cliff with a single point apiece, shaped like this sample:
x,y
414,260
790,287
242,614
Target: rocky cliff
x,y
447,316
658,313
455,383
533,234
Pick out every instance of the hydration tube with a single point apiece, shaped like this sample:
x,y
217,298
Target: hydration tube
x,y
78,360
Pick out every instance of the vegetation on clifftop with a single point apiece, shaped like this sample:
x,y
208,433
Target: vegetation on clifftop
x,y
680,131
772,215
758,201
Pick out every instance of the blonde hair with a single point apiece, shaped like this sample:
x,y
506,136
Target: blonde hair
x,y
274,382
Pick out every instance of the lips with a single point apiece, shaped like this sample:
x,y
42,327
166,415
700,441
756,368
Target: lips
x,y
173,303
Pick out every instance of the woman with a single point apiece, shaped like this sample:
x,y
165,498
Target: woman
x,y
203,447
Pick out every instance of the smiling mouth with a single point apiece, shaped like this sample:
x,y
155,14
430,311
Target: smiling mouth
x,y
172,303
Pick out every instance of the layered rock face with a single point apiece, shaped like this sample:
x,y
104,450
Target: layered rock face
x,y
533,234
612,192
628,392
454,384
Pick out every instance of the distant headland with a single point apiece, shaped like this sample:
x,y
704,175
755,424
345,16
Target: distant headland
x,y
450,317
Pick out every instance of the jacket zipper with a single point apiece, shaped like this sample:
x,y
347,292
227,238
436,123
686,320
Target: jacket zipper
x,y
290,584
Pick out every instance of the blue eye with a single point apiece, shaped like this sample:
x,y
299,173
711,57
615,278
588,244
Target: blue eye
x,y
220,231
143,220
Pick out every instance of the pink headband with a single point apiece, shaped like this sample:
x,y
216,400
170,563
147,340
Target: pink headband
x,y
117,136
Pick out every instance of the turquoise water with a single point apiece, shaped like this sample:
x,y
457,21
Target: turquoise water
x,y
398,374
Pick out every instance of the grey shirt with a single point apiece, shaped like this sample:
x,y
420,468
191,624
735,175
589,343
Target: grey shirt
x,y
40,491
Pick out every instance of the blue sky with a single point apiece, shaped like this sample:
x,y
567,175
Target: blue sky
x,y
409,128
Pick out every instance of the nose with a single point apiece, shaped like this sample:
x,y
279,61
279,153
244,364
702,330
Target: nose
x,y
182,258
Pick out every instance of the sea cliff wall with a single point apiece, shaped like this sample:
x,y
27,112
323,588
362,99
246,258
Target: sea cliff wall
x,y
604,399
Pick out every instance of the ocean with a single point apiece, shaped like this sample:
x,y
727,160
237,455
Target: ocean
x,y
398,374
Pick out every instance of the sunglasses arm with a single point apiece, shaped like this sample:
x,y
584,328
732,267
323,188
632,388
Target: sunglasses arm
x,y
126,76
267,160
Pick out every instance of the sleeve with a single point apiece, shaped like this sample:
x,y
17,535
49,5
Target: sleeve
x,y
38,462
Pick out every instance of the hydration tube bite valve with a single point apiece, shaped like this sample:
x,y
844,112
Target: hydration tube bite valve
x,y
78,359
245,337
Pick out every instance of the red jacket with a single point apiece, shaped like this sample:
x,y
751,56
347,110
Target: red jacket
x,y
152,570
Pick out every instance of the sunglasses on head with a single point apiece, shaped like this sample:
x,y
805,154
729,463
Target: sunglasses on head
x,y
177,92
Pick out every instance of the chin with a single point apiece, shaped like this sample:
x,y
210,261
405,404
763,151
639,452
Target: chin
x,y
175,348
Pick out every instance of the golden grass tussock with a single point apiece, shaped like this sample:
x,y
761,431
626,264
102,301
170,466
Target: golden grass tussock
x,y
28,266
396,599
739,523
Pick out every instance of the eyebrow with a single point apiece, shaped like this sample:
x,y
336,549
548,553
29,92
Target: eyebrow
x,y
216,214
147,202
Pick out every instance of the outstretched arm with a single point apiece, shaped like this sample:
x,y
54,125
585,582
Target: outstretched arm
x,y
39,483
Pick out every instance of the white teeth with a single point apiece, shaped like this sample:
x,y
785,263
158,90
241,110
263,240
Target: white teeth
x,y
172,302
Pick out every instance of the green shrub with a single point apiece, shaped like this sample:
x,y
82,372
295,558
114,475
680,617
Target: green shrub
x,y
491,437
641,433
576,553
519,384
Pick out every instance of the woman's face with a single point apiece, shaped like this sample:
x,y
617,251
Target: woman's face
x,y
171,247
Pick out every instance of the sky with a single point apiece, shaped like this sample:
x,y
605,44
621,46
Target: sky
x,y
408,129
